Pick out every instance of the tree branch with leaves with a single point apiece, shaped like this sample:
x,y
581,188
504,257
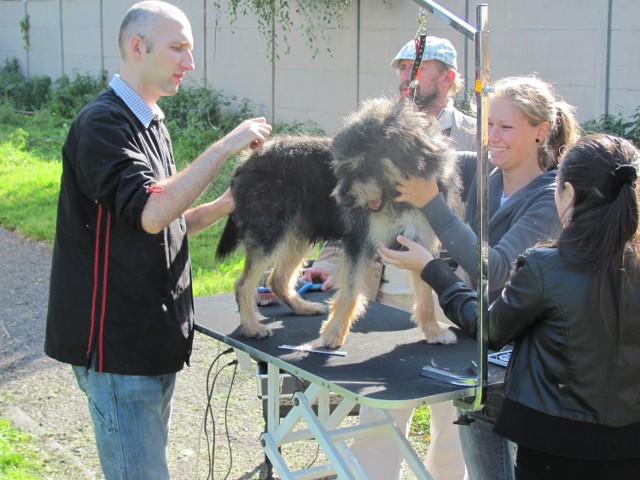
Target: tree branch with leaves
x,y
275,21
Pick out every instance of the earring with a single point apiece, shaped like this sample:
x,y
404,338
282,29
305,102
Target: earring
x,y
565,218
537,140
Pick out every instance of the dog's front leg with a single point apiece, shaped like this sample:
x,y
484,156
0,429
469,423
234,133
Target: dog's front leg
x,y
346,306
424,314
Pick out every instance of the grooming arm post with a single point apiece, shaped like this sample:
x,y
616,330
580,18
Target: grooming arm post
x,y
449,18
482,90
480,37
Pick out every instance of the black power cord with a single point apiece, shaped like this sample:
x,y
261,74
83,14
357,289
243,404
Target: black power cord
x,y
210,384
226,417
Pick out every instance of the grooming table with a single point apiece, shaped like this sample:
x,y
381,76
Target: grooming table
x,y
385,354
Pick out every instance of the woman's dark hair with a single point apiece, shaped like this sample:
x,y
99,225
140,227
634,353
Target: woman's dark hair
x,y
603,171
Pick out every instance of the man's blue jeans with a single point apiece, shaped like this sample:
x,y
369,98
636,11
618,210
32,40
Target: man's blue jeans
x,y
487,455
131,417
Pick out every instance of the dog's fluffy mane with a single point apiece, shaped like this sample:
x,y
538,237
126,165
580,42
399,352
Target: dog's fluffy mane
x,y
391,140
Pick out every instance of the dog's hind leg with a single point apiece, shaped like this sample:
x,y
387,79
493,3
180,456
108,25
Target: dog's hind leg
x,y
283,278
424,314
245,288
346,306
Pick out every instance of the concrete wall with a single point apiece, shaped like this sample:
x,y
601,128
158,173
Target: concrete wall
x,y
587,49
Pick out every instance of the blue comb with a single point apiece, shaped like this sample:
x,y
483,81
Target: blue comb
x,y
309,286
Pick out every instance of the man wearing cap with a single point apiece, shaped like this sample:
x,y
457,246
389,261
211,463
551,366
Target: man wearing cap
x,y
437,85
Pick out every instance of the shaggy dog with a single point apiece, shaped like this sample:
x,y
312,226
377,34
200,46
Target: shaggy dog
x,y
299,190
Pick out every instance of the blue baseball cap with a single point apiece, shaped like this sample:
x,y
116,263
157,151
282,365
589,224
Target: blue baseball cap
x,y
434,49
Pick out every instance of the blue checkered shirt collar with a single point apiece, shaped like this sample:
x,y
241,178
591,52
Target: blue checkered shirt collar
x,y
140,109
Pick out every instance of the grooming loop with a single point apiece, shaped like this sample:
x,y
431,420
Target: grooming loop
x,y
416,68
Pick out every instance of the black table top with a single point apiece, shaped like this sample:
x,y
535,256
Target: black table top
x,y
384,360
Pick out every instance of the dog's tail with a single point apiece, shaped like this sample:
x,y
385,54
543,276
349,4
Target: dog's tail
x,y
229,240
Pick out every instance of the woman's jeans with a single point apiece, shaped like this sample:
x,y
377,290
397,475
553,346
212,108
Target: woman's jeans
x,y
487,455
131,417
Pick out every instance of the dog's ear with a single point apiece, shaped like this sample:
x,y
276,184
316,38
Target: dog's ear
x,y
411,139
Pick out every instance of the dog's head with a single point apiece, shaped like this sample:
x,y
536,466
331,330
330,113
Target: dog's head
x,y
381,143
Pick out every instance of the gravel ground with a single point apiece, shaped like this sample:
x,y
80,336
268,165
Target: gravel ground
x,y
41,395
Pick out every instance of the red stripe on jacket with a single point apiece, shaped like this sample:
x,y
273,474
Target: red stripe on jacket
x,y
104,289
96,263
96,284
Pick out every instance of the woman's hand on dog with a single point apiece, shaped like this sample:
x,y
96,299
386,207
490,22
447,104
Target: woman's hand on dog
x,y
415,258
318,275
416,191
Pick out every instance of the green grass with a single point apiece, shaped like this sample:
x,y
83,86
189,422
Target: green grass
x,y
18,454
421,424
29,189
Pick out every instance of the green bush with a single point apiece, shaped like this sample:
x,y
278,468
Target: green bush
x,y
7,113
36,94
194,105
64,98
11,79
203,116
21,93
70,94
619,125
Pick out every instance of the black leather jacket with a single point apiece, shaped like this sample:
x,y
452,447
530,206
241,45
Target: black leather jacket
x,y
576,337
